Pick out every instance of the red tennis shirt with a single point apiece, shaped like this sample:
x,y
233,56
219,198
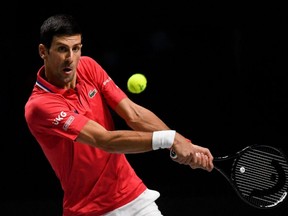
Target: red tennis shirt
x,y
94,181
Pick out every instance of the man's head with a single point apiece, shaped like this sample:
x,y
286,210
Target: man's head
x,y
60,48
58,25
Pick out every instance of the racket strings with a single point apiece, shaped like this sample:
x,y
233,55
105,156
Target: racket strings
x,y
257,171
261,176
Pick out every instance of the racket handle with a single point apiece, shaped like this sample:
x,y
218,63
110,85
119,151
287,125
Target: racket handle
x,y
173,154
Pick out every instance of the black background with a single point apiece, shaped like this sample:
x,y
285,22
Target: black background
x,y
217,73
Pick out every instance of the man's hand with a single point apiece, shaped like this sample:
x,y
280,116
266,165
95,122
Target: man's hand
x,y
193,155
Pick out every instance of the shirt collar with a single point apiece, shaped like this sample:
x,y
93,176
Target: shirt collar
x,y
45,85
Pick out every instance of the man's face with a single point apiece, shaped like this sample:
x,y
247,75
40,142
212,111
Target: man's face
x,y
62,59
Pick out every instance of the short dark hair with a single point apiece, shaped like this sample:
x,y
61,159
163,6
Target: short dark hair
x,y
58,25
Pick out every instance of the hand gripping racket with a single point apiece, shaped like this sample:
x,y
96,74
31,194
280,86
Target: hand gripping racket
x,y
258,174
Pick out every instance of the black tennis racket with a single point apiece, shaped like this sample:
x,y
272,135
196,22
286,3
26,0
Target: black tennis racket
x,y
258,174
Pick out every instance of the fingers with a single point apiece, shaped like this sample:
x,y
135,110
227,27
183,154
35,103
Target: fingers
x,y
193,155
196,160
202,161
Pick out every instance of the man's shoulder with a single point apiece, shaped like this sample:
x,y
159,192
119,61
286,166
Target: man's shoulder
x,y
40,98
88,62
88,66
87,59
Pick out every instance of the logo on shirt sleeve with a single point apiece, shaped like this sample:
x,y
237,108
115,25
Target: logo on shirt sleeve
x,y
59,118
68,122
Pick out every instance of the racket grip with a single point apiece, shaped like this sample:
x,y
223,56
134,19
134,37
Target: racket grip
x,y
173,154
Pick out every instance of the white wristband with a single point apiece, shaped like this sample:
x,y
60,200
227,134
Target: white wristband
x,y
163,139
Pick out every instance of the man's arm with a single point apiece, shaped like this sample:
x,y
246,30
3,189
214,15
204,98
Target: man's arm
x,y
144,124
116,141
138,117
142,119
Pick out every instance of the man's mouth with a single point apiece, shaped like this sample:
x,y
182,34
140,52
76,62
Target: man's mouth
x,y
67,70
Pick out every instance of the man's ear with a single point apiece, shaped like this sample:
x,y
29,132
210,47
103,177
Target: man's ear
x,y
42,51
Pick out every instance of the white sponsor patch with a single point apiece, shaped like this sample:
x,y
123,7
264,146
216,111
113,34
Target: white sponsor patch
x,y
68,123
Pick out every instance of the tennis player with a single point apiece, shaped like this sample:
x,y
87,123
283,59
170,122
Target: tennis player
x,y
68,114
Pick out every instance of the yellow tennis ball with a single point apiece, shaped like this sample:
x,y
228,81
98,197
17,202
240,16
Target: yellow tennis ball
x,y
137,83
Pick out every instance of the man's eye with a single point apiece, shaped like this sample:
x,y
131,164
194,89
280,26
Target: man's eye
x,y
61,49
76,49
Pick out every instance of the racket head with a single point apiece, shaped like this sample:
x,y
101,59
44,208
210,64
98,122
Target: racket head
x,y
259,175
